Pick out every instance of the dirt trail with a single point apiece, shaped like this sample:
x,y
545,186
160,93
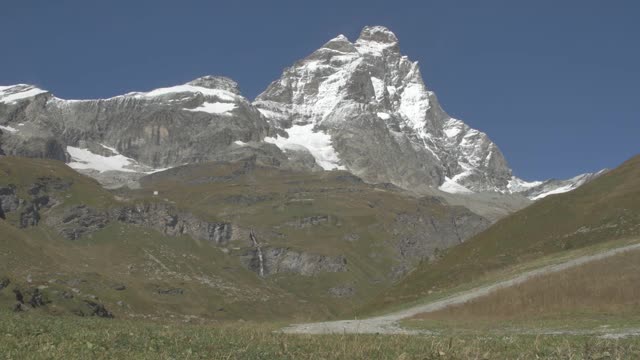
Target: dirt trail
x,y
388,324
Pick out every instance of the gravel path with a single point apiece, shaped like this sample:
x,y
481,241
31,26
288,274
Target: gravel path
x,y
388,324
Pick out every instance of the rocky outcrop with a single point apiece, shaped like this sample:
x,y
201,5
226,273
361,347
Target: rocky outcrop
x,y
95,309
170,291
167,220
32,297
4,283
310,221
81,220
77,221
9,201
40,195
421,234
344,291
284,260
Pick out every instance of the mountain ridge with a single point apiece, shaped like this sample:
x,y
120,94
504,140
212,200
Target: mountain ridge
x,y
359,106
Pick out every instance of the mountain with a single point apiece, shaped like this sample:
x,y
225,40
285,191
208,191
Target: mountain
x,y
361,107
372,114
137,133
602,210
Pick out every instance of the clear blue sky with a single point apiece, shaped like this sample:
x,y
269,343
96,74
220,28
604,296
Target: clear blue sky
x,y
556,84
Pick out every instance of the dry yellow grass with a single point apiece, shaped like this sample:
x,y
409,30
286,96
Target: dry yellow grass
x,y
610,286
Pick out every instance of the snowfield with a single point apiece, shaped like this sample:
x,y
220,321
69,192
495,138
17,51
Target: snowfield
x,y
317,142
217,108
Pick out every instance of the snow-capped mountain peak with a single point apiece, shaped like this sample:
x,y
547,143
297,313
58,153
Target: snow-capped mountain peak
x,y
359,106
367,93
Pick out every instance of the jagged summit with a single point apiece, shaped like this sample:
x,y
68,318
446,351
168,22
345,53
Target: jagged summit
x,y
376,40
216,82
382,121
339,43
379,34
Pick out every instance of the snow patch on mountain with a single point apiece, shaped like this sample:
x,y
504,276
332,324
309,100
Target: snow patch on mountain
x,y
516,185
551,187
218,108
223,95
318,143
14,93
414,103
453,187
83,159
8,128
378,87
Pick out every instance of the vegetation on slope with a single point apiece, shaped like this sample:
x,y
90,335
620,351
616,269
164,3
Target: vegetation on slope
x,y
602,295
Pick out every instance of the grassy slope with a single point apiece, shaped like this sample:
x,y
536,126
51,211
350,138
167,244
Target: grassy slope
x,y
215,285
23,172
606,209
355,208
602,295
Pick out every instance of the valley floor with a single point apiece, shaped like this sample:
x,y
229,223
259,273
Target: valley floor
x,y
30,336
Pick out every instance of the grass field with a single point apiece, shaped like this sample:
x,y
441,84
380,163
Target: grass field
x,y
30,336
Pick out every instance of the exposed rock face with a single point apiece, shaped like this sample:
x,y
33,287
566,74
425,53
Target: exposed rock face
x,y
420,235
194,122
284,260
310,221
78,221
9,201
96,309
170,291
4,283
168,221
38,197
342,291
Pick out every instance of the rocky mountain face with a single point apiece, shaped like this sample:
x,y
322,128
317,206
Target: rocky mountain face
x,y
358,106
384,124
136,133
